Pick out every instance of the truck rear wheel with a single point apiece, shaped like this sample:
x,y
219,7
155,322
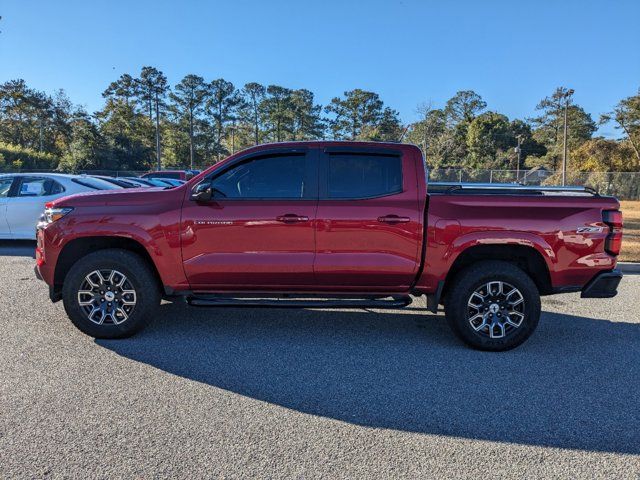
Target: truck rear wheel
x,y
110,293
493,305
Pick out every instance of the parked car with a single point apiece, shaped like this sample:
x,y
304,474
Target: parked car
x,y
174,182
148,182
330,224
119,181
23,196
177,174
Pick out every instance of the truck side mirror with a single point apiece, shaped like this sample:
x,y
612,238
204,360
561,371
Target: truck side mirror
x,y
202,193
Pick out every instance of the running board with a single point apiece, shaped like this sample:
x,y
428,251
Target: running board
x,y
204,301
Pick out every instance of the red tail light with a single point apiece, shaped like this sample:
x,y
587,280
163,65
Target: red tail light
x,y
613,243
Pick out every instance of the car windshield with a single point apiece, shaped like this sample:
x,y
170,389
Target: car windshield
x,y
95,183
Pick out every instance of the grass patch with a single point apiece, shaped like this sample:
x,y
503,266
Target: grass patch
x,y
631,231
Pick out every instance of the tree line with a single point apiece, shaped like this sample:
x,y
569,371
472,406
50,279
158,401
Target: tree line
x,y
146,123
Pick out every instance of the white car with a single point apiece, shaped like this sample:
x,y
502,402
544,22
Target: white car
x,y
23,195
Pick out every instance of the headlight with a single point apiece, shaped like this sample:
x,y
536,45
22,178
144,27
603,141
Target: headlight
x,y
51,214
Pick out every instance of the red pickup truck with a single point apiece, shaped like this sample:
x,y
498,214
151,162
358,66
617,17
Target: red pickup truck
x,y
329,224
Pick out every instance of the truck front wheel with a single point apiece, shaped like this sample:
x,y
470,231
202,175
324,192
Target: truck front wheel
x,y
493,305
110,293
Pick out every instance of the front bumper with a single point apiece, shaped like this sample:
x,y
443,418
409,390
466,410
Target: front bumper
x,y
603,285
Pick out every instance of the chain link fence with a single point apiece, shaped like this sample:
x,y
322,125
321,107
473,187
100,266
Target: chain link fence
x,y
624,185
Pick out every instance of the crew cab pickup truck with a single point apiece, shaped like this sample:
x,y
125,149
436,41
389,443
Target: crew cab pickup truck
x,y
329,224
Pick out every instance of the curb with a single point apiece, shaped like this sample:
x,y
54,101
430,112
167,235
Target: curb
x,y
629,267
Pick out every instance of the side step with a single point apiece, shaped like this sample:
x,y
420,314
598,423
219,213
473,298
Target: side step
x,y
278,302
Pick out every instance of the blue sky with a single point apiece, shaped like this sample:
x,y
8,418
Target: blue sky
x,y
511,52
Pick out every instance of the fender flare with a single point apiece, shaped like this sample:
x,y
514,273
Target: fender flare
x,y
498,237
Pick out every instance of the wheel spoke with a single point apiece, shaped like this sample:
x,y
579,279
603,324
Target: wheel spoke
x,y
492,328
90,281
516,302
123,313
481,325
512,323
476,295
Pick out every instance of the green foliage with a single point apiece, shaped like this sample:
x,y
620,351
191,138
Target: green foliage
x,y
602,155
359,115
626,114
187,105
88,149
490,141
464,106
250,109
306,116
549,126
25,158
144,121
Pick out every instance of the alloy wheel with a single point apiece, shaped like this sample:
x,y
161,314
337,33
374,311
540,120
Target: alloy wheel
x,y
107,297
496,309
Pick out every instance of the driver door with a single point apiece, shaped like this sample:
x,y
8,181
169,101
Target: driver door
x,y
257,231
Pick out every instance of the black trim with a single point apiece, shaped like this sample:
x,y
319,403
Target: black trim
x,y
13,189
434,300
354,150
37,272
423,253
55,294
566,289
603,285
280,302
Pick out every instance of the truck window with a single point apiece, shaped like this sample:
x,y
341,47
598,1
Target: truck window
x,y
364,176
271,177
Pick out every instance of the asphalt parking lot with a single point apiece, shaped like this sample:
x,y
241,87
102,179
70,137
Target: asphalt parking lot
x,y
312,393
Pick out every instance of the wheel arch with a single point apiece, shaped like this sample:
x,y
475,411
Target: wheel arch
x,y
527,258
77,248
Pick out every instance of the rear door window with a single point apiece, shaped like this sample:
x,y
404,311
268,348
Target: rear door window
x,y
39,187
353,176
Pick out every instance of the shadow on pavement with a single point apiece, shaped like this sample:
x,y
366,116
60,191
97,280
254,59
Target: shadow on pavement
x,y
574,384
17,248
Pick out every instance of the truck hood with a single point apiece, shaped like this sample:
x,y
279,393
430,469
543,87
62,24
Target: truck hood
x,y
128,196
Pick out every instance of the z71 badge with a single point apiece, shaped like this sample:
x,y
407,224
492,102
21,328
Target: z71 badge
x,y
589,230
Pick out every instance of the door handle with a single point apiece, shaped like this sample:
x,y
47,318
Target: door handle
x,y
393,219
292,218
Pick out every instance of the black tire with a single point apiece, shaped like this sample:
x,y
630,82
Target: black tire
x,y
478,333
139,277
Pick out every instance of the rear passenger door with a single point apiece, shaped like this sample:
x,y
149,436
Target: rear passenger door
x,y
368,226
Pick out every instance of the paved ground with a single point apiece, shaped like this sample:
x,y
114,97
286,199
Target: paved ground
x,y
309,394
